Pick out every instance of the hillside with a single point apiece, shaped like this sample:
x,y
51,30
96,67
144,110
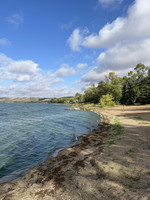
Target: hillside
x,y
25,100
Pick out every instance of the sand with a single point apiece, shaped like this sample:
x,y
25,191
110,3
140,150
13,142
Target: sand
x,y
103,165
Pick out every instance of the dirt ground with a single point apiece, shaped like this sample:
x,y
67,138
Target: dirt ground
x,y
111,162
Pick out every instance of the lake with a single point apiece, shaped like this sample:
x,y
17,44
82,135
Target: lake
x,y
30,132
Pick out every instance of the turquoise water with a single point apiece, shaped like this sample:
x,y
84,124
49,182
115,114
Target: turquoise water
x,y
30,132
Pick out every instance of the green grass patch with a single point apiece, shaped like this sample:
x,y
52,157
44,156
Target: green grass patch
x,y
131,151
111,142
148,185
117,128
148,146
138,118
143,123
129,186
121,171
112,168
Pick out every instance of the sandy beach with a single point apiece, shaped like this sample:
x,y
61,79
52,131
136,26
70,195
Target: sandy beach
x,y
111,162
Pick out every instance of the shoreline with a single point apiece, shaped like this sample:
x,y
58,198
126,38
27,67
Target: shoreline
x,y
10,178
55,154
102,165
80,144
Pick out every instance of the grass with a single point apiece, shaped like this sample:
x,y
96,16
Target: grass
x,y
148,185
131,151
129,186
148,146
121,171
110,142
83,106
112,168
117,128
138,118
143,123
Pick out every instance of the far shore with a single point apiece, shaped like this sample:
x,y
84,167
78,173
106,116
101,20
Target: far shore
x,y
111,162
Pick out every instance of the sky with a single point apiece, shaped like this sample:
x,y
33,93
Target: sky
x,y
56,48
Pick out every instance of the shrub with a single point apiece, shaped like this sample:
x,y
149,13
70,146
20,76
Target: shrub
x,y
107,100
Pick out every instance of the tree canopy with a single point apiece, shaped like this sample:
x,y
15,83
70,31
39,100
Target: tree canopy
x,y
128,90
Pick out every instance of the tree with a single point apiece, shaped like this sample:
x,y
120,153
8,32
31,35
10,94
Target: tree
x,y
124,97
91,94
136,87
112,85
103,88
144,97
107,100
78,97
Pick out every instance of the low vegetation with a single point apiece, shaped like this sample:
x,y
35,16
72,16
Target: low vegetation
x,y
116,129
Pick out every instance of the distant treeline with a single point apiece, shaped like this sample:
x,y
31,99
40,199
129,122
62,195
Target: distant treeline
x,y
128,90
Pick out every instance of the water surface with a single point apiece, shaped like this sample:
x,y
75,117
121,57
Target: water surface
x,y
30,132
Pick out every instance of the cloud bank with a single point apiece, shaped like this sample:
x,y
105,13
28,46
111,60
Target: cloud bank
x,y
64,71
24,78
126,41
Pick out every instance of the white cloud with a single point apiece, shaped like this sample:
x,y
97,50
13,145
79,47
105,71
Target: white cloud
x,y
81,65
22,78
93,77
46,80
25,79
126,42
123,57
64,71
123,30
15,19
75,40
107,3
4,41
55,81
120,59
31,90
23,67
108,35
4,61
20,71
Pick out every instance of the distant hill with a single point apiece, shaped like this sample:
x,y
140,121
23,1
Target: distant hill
x,y
25,100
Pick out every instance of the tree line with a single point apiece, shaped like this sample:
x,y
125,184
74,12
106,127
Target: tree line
x,y
128,90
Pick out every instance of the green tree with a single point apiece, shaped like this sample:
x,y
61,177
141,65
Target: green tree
x,y
144,97
112,85
136,87
91,95
107,100
78,98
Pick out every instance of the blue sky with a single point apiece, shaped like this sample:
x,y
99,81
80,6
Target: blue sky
x,y
54,48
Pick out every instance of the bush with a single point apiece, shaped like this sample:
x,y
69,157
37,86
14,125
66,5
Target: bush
x,y
107,100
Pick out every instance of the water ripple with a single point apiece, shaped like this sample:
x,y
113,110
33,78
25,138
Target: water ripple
x,y
29,133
